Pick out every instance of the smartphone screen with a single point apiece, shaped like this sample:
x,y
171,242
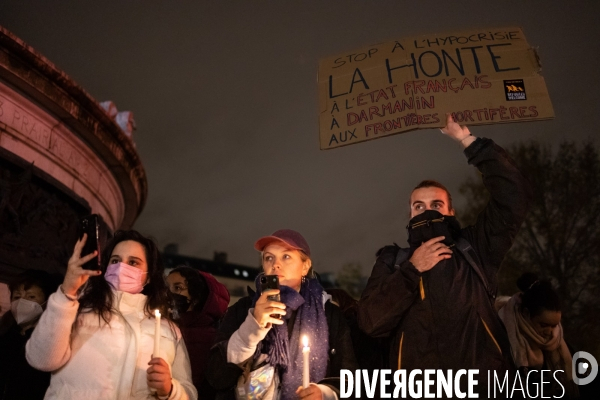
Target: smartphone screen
x,y
91,226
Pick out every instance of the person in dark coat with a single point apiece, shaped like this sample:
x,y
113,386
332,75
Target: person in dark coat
x,y
369,352
258,352
28,294
434,300
200,302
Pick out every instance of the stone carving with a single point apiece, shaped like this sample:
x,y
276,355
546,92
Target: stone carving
x,y
11,192
78,148
110,108
126,122
123,118
46,220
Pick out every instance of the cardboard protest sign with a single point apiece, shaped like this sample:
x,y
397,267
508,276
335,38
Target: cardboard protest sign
x,y
481,76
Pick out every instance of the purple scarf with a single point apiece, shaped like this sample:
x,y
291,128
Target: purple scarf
x,y
285,354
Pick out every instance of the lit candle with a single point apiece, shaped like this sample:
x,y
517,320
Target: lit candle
x,y
306,366
156,351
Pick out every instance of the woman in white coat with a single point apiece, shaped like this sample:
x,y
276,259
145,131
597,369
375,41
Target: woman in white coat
x,y
97,333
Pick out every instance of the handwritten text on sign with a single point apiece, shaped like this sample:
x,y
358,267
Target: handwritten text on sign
x,y
482,77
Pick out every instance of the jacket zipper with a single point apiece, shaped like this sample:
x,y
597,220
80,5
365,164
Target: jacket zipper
x,y
491,335
422,288
400,351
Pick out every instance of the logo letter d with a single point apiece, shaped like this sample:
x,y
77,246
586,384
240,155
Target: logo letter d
x,y
590,362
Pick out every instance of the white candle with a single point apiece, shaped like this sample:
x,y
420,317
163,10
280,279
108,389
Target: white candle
x,y
306,366
156,352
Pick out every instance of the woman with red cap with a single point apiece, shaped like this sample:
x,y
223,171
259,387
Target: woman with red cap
x,y
259,354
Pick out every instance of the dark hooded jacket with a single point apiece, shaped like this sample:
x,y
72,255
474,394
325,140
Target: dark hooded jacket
x,y
199,329
444,318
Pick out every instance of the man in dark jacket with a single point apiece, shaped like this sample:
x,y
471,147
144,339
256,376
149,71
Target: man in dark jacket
x,y
434,300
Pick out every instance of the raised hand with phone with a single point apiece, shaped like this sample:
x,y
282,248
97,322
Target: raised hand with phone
x,y
98,332
269,309
262,332
94,229
85,260
76,276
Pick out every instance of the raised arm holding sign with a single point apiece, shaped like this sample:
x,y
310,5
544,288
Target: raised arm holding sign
x,y
480,76
434,299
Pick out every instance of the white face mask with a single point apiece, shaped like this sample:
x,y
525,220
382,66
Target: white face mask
x,y
25,310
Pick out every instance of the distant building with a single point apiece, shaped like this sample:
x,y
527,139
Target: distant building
x,y
234,276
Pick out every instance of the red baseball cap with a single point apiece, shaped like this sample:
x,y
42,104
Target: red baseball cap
x,y
289,237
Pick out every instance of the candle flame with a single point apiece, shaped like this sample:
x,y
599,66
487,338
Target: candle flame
x,y
157,313
305,341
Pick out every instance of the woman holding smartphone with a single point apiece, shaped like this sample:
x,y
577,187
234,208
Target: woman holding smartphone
x,y
259,353
98,331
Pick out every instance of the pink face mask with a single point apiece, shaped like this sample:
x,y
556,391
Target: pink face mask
x,y
125,278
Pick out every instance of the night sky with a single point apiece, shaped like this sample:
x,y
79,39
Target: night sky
x,y
225,99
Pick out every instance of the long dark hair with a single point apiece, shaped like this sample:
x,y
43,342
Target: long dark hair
x,y
97,294
538,294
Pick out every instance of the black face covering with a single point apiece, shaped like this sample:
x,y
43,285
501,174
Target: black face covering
x,y
430,224
179,305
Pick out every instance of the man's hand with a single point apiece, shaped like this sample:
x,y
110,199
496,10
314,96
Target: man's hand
x,y
459,133
158,376
430,253
264,308
312,392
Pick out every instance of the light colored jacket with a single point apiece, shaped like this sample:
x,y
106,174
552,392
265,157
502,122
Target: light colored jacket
x,y
90,359
242,345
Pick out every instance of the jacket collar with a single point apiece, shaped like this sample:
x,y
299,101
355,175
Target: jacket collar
x,y
124,301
